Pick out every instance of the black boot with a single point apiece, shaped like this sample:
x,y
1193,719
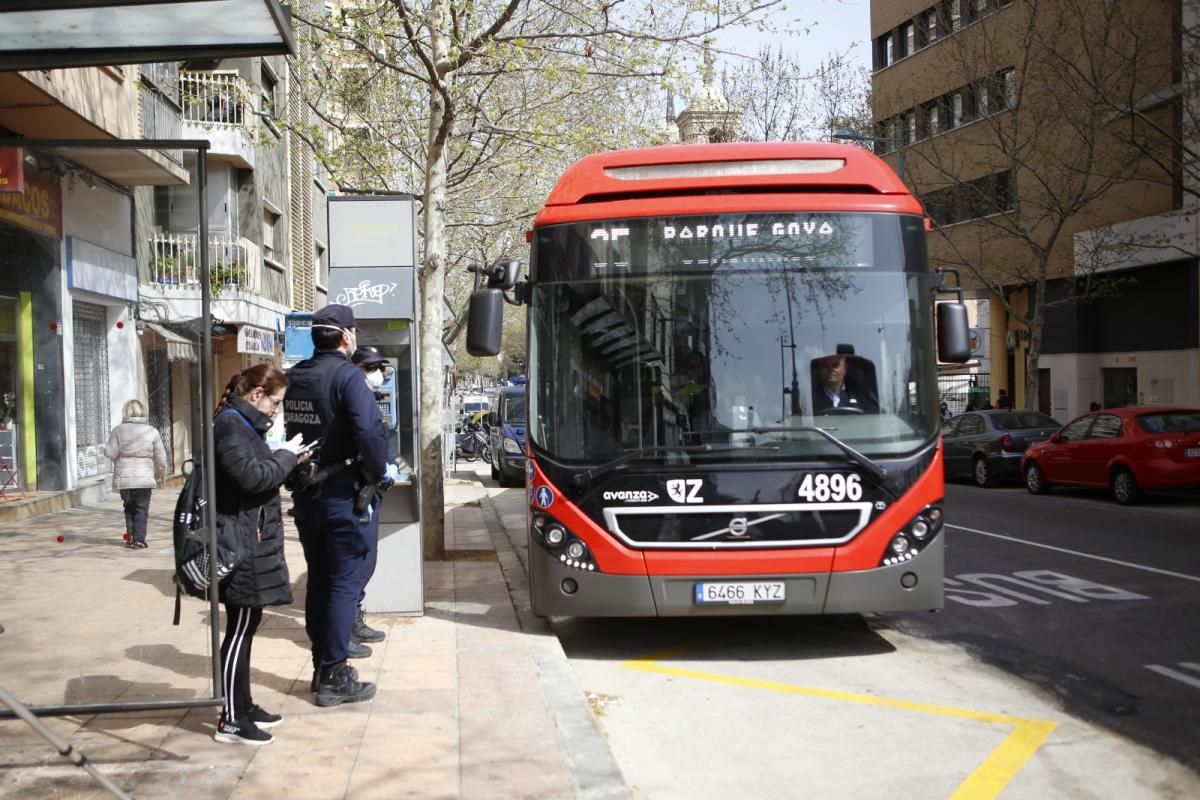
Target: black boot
x,y
339,684
357,649
316,679
364,633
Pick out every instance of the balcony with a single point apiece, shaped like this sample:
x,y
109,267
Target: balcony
x,y
219,106
234,262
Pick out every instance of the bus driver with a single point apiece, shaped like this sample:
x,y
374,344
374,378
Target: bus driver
x,y
833,391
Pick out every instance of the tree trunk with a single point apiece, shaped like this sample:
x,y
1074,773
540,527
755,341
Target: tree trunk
x,y
1033,352
433,281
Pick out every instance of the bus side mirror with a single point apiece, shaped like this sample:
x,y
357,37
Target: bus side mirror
x,y
503,275
484,317
953,342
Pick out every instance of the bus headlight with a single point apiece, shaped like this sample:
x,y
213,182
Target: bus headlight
x,y
511,446
576,550
920,528
555,535
900,545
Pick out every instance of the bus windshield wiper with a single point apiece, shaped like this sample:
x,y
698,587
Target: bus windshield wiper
x,y
582,478
863,461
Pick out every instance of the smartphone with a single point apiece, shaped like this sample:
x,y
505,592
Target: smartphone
x,y
315,443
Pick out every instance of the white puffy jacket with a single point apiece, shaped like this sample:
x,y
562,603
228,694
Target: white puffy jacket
x,y
139,458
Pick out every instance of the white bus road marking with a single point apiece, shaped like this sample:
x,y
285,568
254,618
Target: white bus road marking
x,y
1130,564
1176,674
1044,581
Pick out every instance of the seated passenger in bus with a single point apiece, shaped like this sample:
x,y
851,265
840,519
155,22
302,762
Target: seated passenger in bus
x,y
843,384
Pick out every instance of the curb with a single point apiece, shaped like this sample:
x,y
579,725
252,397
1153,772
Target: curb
x,y
590,763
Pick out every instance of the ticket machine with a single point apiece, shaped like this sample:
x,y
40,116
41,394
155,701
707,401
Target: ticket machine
x,y
373,270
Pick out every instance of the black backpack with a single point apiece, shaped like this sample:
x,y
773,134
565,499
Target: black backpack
x,y
190,535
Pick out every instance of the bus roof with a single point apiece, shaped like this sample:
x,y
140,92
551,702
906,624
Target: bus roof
x,y
629,178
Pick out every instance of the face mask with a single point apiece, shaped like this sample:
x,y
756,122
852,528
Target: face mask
x,y
374,379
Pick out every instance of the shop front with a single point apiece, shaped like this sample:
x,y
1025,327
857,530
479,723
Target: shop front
x,y
33,443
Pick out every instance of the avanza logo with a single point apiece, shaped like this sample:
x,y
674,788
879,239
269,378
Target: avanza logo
x,y
632,496
365,292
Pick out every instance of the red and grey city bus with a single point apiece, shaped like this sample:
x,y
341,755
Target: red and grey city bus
x,y
732,395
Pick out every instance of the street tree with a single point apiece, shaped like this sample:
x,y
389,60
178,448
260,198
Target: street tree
x,y
475,106
782,101
1040,156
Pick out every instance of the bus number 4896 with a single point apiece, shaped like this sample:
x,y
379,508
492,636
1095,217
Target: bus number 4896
x,y
825,488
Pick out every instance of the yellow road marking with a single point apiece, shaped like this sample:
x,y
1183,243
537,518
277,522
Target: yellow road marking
x,y
988,779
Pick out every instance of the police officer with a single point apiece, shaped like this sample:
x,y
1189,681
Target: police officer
x,y
328,399
373,366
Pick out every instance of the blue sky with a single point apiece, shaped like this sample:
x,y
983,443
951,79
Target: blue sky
x,y
834,26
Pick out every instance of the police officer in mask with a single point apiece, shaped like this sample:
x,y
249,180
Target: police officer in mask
x,y
328,399
373,367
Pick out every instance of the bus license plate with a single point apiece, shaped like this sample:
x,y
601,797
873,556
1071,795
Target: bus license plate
x,y
1191,452
741,593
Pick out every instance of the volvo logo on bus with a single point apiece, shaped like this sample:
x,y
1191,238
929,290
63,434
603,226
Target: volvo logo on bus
x,y
738,526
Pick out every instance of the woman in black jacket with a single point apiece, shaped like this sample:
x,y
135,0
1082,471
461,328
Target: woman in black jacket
x,y
250,524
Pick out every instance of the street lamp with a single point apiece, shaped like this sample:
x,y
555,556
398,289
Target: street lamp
x,y
896,140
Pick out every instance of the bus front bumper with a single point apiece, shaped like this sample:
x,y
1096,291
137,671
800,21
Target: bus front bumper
x,y
601,595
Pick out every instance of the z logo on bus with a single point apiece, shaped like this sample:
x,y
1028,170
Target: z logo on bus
x,y
687,490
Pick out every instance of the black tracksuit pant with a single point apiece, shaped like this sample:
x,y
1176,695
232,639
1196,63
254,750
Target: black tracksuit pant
x,y
241,623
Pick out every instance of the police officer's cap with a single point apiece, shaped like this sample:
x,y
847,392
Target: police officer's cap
x,y
368,357
334,315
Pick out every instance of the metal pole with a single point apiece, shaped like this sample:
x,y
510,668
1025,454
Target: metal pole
x,y
206,416
65,748
899,134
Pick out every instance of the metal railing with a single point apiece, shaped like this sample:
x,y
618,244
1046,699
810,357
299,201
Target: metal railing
x,y
232,261
160,105
216,99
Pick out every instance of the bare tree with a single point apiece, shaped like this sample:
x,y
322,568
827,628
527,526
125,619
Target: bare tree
x,y
476,105
781,101
1041,155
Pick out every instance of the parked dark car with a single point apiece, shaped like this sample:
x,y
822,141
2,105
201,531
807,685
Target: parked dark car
x,y
986,446
1127,450
506,432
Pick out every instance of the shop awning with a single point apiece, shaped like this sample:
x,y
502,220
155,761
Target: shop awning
x,y
178,348
49,34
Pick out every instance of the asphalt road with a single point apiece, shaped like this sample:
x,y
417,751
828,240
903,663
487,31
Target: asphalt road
x,y
1095,602
1034,682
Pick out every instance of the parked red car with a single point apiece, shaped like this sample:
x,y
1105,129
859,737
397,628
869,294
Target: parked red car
x,y
1126,449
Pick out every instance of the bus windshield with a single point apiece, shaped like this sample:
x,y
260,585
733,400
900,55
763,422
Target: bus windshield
x,y
731,330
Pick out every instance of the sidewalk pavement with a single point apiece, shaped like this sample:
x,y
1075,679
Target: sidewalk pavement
x,y
470,704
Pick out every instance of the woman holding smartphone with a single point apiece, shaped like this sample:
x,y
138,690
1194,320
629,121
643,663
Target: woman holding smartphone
x,y
249,518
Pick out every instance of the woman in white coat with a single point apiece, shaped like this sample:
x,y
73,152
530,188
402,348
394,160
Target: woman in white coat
x,y
139,463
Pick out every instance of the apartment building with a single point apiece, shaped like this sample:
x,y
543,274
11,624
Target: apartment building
x,y
1044,139
69,349
265,208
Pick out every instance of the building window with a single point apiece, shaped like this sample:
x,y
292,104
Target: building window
x,y
931,32
889,56
955,15
270,221
1008,89
982,106
932,121
321,264
982,197
910,127
268,104
909,34
956,110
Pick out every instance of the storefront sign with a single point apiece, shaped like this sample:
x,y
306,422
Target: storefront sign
x,y
256,341
12,169
38,208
